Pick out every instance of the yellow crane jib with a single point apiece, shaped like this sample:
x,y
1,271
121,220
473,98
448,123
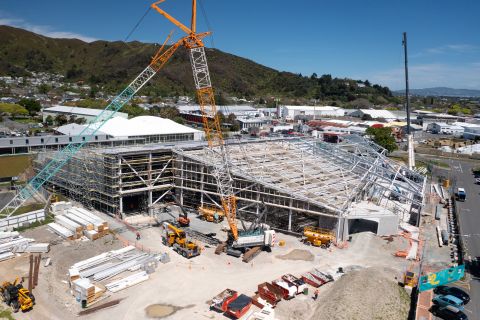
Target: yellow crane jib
x,y
211,121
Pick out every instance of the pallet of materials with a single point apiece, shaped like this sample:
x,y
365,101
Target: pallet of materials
x,y
61,231
86,224
70,225
126,282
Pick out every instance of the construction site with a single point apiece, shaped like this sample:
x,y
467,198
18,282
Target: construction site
x,y
218,228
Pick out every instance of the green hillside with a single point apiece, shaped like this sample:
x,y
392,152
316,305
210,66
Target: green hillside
x,y
114,64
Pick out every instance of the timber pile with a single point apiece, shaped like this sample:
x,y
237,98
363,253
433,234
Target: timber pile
x,y
74,223
86,276
13,242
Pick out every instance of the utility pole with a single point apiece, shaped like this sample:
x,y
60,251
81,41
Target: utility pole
x,y
411,154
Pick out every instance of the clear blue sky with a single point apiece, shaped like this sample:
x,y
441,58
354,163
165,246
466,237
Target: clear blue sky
x,y
349,38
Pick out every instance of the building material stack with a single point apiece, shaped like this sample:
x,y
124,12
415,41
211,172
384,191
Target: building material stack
x,y
74,223
87,277
13,242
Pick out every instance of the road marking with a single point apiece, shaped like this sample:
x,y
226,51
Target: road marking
x,y
468,311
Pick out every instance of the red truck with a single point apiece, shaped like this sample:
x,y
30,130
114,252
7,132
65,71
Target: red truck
x,y
221,301
238,307
269,292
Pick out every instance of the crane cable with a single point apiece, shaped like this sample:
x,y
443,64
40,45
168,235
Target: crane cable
x,y
137,25
204,13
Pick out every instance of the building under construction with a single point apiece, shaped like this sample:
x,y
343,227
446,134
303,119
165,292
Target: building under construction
x,y
292,183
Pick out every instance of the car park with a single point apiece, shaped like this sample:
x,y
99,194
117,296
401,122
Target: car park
x,y
448,300
454,291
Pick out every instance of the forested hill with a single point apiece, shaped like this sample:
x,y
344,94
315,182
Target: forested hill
x,y
114,64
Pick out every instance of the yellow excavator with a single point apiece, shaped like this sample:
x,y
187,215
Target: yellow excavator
x,y
176,238
16,296
211,214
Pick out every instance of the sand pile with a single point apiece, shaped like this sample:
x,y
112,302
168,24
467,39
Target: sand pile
x,y
366,294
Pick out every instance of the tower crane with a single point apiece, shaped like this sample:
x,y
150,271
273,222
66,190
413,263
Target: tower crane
x,y
193,42
216,151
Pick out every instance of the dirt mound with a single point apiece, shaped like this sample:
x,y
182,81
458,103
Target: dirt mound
x,y
366,294
297,254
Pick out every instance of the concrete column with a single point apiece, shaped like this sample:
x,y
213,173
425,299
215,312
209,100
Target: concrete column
x,y
202,177
120,188
181,180
150,183
290,215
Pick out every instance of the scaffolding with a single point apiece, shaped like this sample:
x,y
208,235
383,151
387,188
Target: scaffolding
x,y
300,182
117,181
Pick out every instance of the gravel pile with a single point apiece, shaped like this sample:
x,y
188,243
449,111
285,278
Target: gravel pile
x,y
367,294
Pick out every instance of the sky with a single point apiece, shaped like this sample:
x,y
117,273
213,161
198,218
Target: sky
x,y
349,38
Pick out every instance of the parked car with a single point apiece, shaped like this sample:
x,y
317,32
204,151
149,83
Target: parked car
x,y
448,313
448,300
453,291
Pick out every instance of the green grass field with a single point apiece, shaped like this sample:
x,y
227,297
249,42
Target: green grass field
x,y
11,166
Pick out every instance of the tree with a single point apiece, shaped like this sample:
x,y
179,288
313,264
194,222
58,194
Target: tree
x,y
44,88
61,119
221,117
80,120
49,120
33,106
383,137
72,118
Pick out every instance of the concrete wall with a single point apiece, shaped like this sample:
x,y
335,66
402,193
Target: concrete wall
x,y
22,219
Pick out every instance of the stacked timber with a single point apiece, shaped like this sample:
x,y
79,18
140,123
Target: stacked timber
x,y
80,222
83,289
13,242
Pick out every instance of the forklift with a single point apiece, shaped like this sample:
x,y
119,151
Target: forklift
x,y
16,296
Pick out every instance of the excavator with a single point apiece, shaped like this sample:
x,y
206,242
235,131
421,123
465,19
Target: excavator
x,y
176,238
16,296
183,220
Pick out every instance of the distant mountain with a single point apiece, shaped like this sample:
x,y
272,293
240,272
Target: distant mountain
x,y
442,92
114,64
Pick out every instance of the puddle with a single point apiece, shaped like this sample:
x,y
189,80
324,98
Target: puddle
x,y
159,311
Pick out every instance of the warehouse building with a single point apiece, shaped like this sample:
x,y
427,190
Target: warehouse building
x,y
86,113
301,182
310,112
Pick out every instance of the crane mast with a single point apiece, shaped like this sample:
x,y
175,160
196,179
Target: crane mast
x,y
211,122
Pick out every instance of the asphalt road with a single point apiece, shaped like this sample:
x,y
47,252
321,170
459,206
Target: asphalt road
x,y
468,213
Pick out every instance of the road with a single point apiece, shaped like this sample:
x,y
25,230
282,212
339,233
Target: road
x,y
468,213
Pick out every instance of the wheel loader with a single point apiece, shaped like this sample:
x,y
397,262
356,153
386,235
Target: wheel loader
x,y
16,296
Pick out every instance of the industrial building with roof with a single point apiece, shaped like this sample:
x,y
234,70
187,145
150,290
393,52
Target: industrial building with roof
x,y
375,114
88,114
300,182
152,129
310,112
